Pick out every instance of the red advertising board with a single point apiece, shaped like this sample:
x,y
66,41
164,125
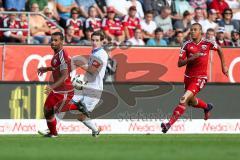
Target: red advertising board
x,y
232,58
133,64
1,56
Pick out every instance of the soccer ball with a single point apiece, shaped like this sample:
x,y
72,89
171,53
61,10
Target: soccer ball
x,y
78,82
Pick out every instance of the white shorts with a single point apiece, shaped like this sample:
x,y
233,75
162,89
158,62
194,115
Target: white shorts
x,y
88,97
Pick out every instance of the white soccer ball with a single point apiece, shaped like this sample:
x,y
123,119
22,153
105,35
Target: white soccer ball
x,y
78,82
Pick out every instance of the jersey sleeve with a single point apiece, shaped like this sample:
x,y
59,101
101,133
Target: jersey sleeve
x,y
183,51
99,59
213,45
63,61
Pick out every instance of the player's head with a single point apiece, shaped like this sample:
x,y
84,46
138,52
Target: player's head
x,y
57,41
97,39
196,31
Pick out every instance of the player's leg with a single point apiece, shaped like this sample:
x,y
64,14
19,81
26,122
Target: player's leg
x,y
53,100
178,111
199,103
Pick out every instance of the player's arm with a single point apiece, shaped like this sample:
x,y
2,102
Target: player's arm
x,y
221,56
183,62
61,80
94,67
42,70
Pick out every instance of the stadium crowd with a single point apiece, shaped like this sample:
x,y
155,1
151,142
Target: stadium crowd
x,y
139,22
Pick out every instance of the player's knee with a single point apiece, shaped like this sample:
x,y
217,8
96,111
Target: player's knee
x,y
82,117
183,100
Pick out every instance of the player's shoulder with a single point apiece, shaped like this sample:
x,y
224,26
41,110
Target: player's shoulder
x,y
101,53
188,42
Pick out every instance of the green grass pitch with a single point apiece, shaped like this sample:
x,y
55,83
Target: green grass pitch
x,y
121,147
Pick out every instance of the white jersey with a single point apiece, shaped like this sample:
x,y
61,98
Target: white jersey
x,y
98,58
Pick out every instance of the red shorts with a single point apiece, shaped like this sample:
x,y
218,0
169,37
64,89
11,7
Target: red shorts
x,y
194,84
58,101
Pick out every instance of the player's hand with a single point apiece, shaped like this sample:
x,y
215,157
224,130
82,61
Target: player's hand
x,y
47,90
41,70
225,70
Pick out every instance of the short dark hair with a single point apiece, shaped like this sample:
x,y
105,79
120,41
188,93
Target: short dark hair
x,y
58,34
210,30
149,12
197,24
159,29
98,33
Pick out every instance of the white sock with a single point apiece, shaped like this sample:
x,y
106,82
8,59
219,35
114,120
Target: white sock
x,y
88,122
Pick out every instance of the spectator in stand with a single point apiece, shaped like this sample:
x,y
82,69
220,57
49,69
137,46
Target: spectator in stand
x,y
131,22
41,3
158,40
235,6
76,22
52,22
184,25
137,40
86,41
156,6
138,5
178,39
148,25
198,16
69,36
19,5
102,5
64,8
24,24
85,5
219,6
210,21
211,34
112,26
182,6
121,6
220,38
92,21
38,27
53,7
228,23
13,23
235,41
200,3
164,21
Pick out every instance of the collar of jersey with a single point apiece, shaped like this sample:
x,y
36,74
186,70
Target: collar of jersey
x,y
95,50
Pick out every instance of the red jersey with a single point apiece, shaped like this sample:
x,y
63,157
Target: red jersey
x,y
77,25
114,27
51,25
24,25
94,23
198,67
131,24
59,62
218,6
11,24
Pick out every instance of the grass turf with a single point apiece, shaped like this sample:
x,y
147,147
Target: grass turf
x,y
120,147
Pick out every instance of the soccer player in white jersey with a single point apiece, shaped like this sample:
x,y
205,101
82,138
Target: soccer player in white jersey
x,y
95,70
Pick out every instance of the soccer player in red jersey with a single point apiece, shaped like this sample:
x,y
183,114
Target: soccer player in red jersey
x,y
60,92
194,54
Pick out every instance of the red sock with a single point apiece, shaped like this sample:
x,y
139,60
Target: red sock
x,y
201,104
178,111
52,123
69,107
72,107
